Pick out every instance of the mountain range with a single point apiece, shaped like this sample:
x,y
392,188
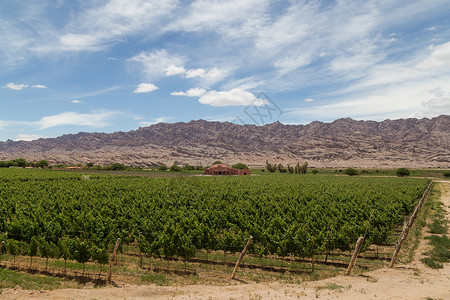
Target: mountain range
x,y
343,143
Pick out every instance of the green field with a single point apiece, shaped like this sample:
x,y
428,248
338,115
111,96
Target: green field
x,y
288,215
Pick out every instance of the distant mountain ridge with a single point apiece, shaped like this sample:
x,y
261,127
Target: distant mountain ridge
x,y
342,143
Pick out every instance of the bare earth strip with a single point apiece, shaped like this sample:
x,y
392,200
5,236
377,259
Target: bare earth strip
x,y
411,281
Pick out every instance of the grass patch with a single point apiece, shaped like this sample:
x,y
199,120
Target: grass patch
x,y
439,224
13,279
415,234
438,227
439,241
440,253
158,279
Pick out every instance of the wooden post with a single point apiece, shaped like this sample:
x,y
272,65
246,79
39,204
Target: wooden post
x,y
355,255
312,256
399,245
140,252
111,262
241,257
327,246
408,224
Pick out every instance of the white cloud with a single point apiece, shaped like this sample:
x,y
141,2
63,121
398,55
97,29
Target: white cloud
x,y
246,83
145,88
39,86
79,42
100,26
233,97
97,92
16,87
159,63
437,104
29,137
410,99
95,119
439,57
155,121
192,73
309,100
230,18
76,101
195,92
174,70
21,86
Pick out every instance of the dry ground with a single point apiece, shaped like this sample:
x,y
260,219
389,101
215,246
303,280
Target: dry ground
x,y
410,281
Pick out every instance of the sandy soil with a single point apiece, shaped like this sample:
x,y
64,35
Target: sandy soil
x,y
411,281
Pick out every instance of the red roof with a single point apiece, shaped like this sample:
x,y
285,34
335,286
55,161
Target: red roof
x,y
219,166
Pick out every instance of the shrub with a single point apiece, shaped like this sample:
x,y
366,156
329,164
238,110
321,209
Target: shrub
x,y
162,168
446,174
351,172
315,171
117,167
402,172
240,166
175,168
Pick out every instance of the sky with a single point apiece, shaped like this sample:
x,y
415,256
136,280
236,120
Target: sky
x,y
117,65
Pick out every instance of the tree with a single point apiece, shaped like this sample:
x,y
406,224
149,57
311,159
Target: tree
x,y
446,174
402,172
175,168
117,167
162,168
303,168
271,167
188,168
351,172
240,166
315,171
21,162
297,168
217,162
281,168
290,169
41,164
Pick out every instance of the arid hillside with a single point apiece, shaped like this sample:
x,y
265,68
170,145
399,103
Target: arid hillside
x,y
342,143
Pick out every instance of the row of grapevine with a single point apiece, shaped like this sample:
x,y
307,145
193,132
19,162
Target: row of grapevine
x,y
288,215
67,249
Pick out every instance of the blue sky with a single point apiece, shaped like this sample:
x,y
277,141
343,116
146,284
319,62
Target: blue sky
x,y
117,65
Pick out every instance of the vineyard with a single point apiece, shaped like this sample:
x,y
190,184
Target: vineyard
x,y
78,217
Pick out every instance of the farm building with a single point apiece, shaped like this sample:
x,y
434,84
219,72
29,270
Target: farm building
x,y
222,169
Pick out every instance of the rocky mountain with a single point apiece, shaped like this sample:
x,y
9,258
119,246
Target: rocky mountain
x,y
342,143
